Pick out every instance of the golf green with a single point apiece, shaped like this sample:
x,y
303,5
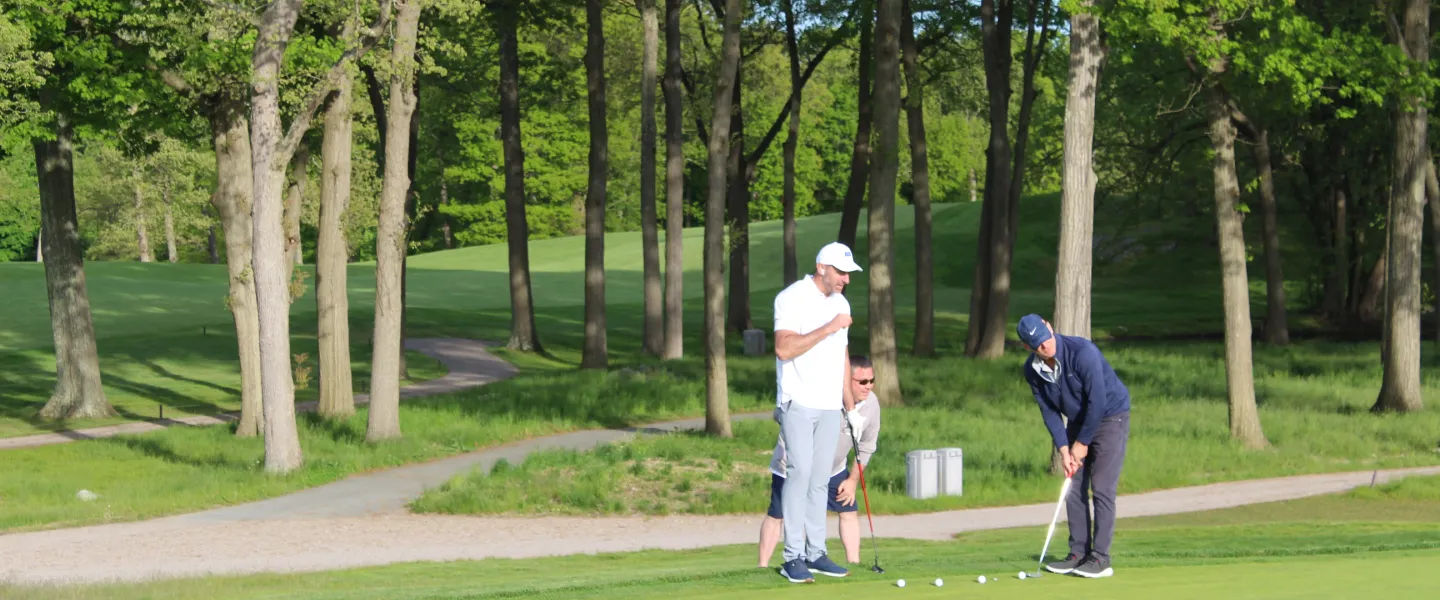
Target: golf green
x,y
1396,575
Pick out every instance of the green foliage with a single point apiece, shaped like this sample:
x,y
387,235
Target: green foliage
x,y
19,226
22,68
89,78
957,146
1313,55
19,209
481,224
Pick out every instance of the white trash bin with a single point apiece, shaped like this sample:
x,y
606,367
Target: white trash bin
x,y
922,474
952,469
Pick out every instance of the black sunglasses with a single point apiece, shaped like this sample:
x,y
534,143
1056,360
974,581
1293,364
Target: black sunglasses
x,y
865,381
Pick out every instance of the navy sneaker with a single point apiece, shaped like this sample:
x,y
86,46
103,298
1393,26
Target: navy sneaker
x,y
796,572
825,566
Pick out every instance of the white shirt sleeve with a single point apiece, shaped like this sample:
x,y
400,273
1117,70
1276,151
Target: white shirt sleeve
x,y
787,318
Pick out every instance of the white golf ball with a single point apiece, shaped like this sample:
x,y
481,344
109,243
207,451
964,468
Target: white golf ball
x,y
1022,575
939,582
980,579
900,583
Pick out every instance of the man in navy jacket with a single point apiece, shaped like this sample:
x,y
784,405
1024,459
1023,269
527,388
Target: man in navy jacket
x,y
1071,378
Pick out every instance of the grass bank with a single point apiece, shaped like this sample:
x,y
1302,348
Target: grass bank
x,y
1347,545
191,468
1313,399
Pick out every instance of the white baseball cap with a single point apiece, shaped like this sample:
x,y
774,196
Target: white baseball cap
x,y
837,255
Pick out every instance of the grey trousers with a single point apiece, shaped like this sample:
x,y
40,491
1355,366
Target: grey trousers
x,y
810,437
1101,475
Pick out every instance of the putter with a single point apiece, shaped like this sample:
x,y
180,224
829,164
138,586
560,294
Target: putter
x,y
866,494
1064,490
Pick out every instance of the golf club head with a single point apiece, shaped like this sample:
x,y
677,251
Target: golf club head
x,y
876,568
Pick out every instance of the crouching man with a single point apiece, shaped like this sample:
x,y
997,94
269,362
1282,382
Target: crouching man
x,y
844,482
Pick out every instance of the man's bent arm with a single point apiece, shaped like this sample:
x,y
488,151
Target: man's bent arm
x,y
790,344
846,394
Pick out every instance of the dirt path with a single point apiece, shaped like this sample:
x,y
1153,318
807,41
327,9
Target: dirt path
x,y
468,363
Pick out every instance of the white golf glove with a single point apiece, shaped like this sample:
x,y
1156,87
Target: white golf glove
x,y
856,420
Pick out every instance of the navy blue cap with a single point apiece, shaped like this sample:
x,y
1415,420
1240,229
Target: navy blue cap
x,y
1032,330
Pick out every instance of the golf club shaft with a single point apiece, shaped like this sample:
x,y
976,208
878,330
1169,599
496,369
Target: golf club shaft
x,y
1064,490
865,493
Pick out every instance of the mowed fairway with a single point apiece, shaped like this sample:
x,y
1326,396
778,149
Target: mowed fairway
x,y
166,338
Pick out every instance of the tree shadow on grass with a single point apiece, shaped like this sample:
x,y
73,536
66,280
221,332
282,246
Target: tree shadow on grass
x,y
156,448
338,430
168,374
162,396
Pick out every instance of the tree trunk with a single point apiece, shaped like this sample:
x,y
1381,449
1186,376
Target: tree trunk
x,y
40,244
1372,297
377,103
78,391
738,213
884,167
1030,63
294,196
523,335
996,26
717,394
1432,192
446,235
980,283
233,202
974,185
1359,292
170,252
332,251
654,328
445,219
924,343
595,353
1400,387
1335,290
412,203
860,156
384,422
282,441
142,237
211,246
1277,329
674,188
1077,188
792,141
1239,375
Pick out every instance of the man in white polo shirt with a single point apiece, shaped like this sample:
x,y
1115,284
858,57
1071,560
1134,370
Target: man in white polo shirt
x,y
812,367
